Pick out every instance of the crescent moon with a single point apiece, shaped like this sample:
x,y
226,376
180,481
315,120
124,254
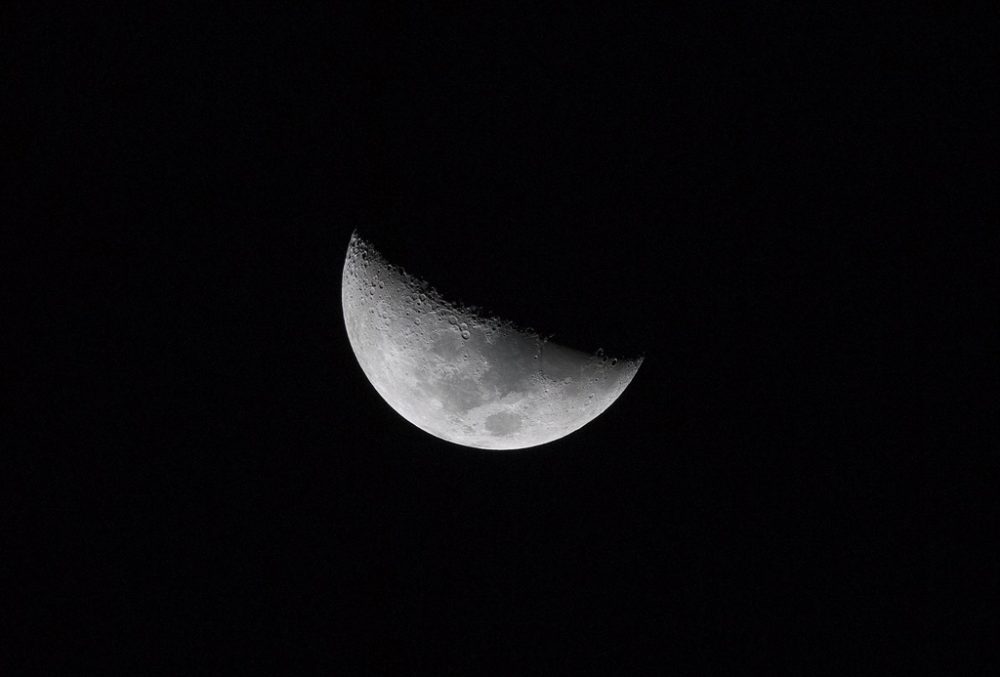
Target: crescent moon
x,y
463,376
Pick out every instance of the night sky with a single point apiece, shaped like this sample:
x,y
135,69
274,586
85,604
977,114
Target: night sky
x,y
764,204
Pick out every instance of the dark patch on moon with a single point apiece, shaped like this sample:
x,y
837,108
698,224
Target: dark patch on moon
x,y
458,394
503,423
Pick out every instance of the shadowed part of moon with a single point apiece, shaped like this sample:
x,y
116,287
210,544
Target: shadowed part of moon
x,y
462,376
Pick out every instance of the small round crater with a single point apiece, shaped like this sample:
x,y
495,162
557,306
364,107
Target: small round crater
x,y
465,334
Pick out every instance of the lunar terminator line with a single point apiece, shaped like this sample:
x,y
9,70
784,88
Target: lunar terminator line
x,y
462,376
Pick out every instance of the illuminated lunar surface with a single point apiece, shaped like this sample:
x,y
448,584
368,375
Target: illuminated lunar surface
x,y
462,376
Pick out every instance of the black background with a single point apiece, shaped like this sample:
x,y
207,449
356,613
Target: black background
x,y
765,204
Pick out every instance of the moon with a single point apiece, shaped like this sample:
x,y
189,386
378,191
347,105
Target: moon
x,y
461,374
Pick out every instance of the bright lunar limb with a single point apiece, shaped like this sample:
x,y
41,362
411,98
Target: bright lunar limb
x,y
469,379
